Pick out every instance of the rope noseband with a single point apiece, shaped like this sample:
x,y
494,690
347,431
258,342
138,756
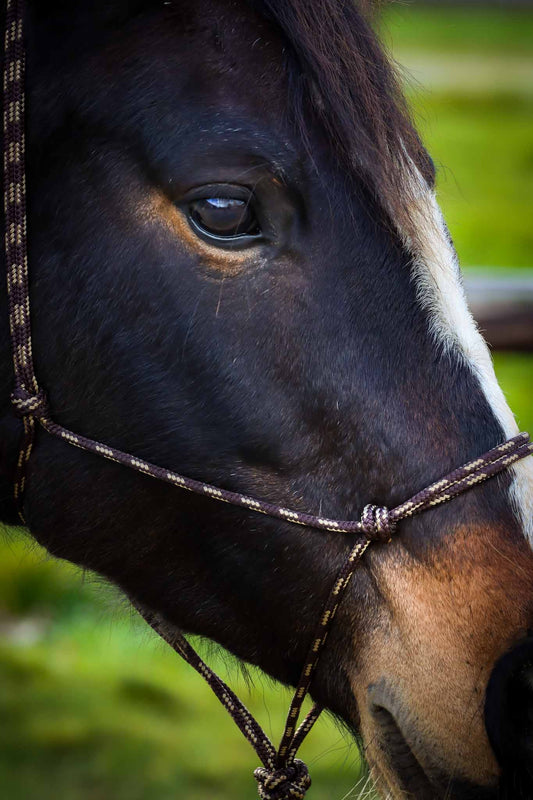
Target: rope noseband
x,y
282,776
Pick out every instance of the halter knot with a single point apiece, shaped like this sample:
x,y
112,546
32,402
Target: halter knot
x,y
30,405
286,783
377,523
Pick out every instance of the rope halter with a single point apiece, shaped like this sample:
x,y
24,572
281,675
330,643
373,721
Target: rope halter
x,y
286,783
377,524
27,404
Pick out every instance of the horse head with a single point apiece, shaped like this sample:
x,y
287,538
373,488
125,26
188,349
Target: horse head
x,y
239,271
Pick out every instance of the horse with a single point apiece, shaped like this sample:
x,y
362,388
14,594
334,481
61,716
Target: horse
x,y
239,270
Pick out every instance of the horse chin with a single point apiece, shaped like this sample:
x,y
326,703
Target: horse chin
x,y
401,769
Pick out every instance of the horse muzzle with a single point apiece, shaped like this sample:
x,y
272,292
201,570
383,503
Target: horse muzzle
x,y
405,767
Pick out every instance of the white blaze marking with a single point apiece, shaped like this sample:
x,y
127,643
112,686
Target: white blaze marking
x,y
440,291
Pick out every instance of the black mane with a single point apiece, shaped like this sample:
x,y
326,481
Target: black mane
x,y
344,72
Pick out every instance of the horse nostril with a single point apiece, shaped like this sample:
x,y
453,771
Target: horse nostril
x,y
509,717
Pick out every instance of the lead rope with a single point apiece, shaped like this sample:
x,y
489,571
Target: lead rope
x,y
282,776
15,233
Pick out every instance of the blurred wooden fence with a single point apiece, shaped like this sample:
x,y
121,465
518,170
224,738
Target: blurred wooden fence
x,y
503,307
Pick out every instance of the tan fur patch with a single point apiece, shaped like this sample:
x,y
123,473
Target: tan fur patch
x,y
443,626
216,261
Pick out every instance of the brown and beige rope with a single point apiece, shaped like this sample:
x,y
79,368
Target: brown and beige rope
x,y
282,776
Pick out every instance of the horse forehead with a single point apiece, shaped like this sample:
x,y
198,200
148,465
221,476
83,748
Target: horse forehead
x,y
226,46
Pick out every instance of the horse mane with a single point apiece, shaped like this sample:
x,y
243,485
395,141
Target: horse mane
x,y
342,69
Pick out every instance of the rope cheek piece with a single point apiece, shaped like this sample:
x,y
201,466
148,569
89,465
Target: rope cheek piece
x,y
282,776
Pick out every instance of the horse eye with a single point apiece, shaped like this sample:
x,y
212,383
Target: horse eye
x,y
224,218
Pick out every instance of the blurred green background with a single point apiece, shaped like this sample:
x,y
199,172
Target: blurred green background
x,y
91,706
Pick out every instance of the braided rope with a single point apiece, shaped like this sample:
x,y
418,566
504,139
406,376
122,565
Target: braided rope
x,y
16,232
376,523
291,781
282,776
235,707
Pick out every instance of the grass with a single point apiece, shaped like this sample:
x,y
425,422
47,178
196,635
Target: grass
x,y
485,182
91,706
409,28
515,373
94,706
472,95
